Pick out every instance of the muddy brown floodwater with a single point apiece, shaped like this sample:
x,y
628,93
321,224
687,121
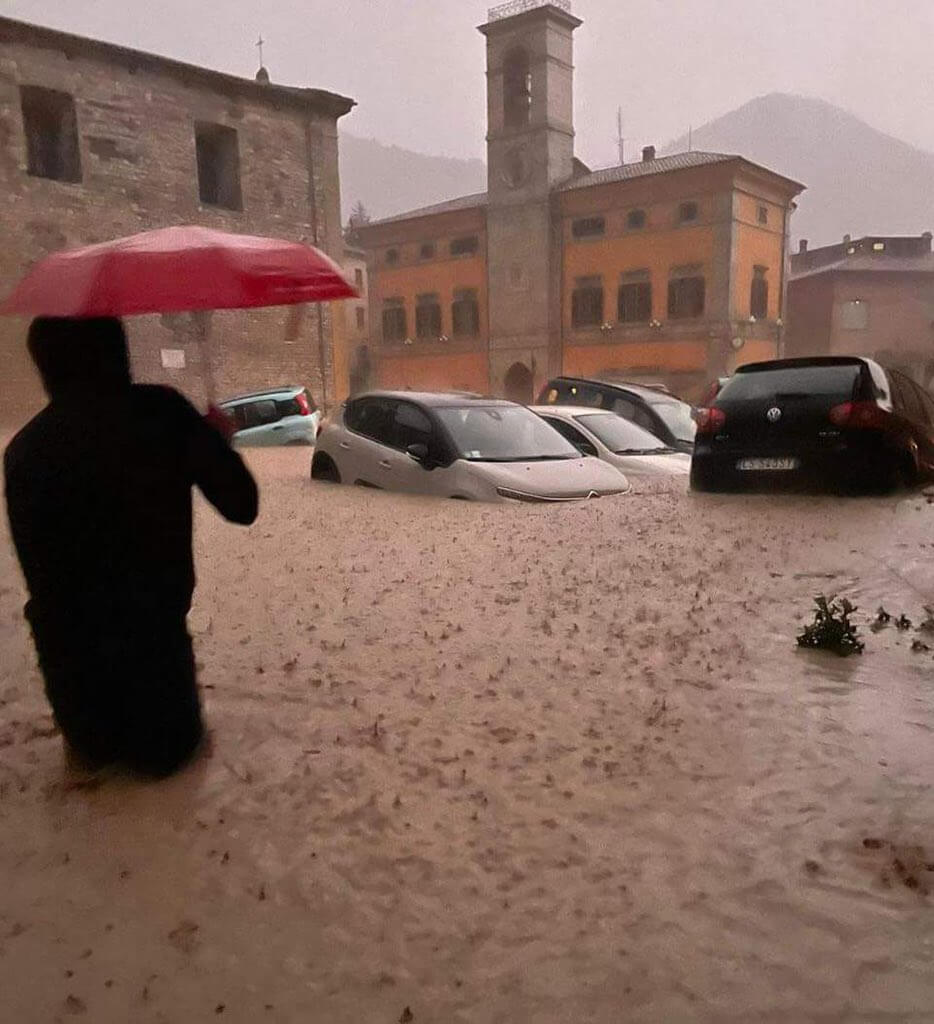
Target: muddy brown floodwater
x,y
500,764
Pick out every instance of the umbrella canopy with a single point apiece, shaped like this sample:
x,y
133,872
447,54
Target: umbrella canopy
x,y
175,270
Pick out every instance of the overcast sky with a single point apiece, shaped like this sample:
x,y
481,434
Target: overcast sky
x,y
416,67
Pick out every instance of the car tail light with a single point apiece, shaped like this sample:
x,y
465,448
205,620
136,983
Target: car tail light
x,y
711,420
304,409
859,415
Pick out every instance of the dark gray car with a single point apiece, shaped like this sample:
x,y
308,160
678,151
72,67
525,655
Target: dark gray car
x,y
653,409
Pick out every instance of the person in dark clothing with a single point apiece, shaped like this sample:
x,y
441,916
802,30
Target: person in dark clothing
x,y
98,492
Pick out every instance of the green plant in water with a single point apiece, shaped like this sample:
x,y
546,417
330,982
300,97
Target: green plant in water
x,y
832,629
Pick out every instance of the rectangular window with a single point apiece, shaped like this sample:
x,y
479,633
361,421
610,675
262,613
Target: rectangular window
x,y
51,128
763,214
218,156
428,316
634,298
358,279
687,212
395,327
685,297
635,220
392,256
361,318
464,246
759,294
854,315
465,313
588,227
587,302
427,251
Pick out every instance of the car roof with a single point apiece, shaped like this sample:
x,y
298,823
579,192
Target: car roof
x,y
288,389
640,390
803,361
571,410
436,399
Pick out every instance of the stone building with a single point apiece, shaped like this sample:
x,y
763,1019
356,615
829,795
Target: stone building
x,y
98,141
870,296
669,269
357,369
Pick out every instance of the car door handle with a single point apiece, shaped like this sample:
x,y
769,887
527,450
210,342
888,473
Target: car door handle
x,y
385,464
344,445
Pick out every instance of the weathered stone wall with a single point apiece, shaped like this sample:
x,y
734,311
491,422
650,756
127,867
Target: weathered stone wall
x,y
135,118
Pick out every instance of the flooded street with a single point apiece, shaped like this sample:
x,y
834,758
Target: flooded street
x,y
501,764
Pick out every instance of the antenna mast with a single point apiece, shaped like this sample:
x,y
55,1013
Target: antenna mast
x,y
620,142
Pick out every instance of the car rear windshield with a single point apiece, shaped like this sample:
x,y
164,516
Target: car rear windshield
x,y
620,435
677,418
834,382
505,433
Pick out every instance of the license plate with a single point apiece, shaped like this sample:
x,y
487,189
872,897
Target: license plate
x,y
768,465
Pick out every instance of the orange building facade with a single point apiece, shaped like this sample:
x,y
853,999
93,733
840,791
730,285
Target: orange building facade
x,y
669,270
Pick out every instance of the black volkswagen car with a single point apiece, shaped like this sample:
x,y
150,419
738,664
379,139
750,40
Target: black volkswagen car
x,y
652,408
838,420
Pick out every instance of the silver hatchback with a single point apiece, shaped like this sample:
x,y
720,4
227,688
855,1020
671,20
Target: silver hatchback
x,y
456,446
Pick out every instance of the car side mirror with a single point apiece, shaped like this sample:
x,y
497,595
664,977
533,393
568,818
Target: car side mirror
x,y
418,452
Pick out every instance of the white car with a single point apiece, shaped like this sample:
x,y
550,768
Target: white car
x,y
286,415
621,443
456,446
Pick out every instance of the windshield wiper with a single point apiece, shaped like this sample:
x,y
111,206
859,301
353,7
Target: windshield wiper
x,y
548,458
643,451
519,458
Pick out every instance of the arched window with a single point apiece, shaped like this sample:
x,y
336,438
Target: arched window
x,y
759,294
517,89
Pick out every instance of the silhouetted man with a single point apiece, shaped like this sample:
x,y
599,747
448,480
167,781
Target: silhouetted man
x,y
98,490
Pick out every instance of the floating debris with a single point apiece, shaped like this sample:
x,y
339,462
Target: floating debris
x,y
832,629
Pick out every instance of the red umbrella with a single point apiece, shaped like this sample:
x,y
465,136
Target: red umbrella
x,y
174,270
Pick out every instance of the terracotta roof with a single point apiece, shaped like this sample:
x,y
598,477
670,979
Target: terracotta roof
x,y
607,176
449,206
28,34
641,168
869,264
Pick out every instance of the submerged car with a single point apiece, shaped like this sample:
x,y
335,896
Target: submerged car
x,y
623,444
656,411
839,420
456,446
285,415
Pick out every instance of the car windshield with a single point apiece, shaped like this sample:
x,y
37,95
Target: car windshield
x,y
503,433
834,381
619,435
677,418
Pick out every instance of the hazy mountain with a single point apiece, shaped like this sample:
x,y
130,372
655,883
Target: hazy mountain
x,y
388,180
860,180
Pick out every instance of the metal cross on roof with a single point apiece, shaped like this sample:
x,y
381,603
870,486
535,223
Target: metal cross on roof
x,y
259,45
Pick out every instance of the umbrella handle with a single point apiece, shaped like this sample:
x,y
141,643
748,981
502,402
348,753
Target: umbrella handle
x,y
203,322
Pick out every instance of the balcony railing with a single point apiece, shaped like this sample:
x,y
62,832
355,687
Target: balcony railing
x,y
520,6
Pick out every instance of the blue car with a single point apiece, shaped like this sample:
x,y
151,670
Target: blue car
x,y
286,415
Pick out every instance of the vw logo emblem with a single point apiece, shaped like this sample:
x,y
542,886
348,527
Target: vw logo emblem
x,y
774,414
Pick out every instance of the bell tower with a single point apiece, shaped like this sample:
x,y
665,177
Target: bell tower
x,y
530,150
